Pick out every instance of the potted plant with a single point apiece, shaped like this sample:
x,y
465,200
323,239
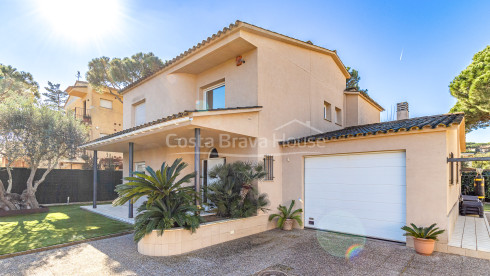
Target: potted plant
x,y
424,237
286,217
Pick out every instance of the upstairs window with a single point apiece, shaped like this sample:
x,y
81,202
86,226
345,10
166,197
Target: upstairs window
x,y
214,97
139,114
105,103
327,111
338,116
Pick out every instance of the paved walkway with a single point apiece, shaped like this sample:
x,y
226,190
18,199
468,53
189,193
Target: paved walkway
x,y
115,212
299,252
471,233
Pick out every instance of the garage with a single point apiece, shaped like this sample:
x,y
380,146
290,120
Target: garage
x,y
361,194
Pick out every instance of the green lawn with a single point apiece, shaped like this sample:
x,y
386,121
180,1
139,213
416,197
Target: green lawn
x,y
61,225
486,207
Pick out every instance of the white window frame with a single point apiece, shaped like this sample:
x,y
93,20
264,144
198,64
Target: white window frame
x,y
211,88
109,102
135,117
139,164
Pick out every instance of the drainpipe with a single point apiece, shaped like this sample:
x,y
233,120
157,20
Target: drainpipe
x,y
130,167
197,150
94,205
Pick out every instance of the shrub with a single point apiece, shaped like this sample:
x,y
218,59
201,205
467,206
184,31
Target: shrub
x,y
287,213
233,194
168,204
429,233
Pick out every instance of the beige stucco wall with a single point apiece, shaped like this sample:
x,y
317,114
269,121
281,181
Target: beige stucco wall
x,y
359,111
426,171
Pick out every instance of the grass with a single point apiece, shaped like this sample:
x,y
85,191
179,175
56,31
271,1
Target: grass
x,y
62,224
486,207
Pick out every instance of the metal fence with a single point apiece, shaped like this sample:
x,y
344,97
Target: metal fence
x,y
61,184
467,180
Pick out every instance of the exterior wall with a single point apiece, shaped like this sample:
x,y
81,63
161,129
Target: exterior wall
x,y
368,114
426,171
179,241
358,111
453,190
171,93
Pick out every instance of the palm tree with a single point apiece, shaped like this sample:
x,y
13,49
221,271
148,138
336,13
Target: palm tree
x,y
169,204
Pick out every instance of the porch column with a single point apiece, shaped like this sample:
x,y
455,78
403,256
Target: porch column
x,y
130,168
94,197
197,151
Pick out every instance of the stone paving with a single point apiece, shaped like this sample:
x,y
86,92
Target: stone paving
x,y
299,252
471,235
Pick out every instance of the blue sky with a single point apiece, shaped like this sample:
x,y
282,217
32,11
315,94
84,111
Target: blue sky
x,y
438,38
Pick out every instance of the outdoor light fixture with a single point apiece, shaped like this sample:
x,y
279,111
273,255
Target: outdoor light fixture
x,y
239,60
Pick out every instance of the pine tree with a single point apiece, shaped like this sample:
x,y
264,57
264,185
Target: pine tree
x,y
55,97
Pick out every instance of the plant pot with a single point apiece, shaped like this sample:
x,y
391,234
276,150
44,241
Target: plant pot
x,y
424,246
288,225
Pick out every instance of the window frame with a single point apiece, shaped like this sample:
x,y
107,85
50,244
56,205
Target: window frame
x,y
136,164
338,116
269,167
105,100
327,111
135,117
212,88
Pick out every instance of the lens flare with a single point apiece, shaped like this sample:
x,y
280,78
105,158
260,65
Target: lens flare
x,y
353,251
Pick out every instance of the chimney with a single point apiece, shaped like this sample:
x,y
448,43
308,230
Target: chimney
x,y
402,111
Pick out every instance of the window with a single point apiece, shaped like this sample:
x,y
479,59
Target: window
x,y
338,116
327,111
214,97
139,114
269,167
105,103
139,166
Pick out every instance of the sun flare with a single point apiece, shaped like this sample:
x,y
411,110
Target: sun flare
x,y
81,21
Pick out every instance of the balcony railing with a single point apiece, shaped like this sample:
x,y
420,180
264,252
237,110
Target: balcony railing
x,y
83,114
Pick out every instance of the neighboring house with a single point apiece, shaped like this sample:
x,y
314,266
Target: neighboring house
x,y
248,93
102,113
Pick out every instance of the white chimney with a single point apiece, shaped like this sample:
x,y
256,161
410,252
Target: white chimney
x,y
402,111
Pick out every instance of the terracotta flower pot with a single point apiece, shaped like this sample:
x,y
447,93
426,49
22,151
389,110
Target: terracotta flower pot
x,y
424,246
288,225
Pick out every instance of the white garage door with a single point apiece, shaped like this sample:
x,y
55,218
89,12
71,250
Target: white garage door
x,y
361,194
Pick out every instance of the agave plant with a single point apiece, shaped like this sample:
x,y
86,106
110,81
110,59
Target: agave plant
x,y
429,233
168,205
287,213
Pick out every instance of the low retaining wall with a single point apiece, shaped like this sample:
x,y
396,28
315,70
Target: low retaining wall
x,y
178,241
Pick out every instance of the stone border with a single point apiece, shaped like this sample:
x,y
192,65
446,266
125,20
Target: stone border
x,y
178,241
10,255
11,213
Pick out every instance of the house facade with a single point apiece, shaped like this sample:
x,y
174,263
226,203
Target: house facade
x,y
101,112
251,94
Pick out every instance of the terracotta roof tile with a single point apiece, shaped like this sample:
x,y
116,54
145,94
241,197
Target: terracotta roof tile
x,y
435,121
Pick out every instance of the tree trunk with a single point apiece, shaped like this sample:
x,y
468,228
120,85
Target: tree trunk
x,y
29,194
3,201
244,192
10,181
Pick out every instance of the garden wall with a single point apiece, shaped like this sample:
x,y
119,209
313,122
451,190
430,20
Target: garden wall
x,y
178,241
60,184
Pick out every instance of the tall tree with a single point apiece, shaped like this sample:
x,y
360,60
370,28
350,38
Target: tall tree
x,y
118,73
16,83
44,135
472,90
353,82
55,97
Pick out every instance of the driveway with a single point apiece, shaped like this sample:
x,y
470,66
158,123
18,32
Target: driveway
x,y
299,252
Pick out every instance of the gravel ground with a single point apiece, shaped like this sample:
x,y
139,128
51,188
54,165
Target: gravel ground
x,y
299,252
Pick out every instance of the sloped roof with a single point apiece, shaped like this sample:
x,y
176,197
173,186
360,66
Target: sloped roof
x,y
165,119
435,121
214,37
